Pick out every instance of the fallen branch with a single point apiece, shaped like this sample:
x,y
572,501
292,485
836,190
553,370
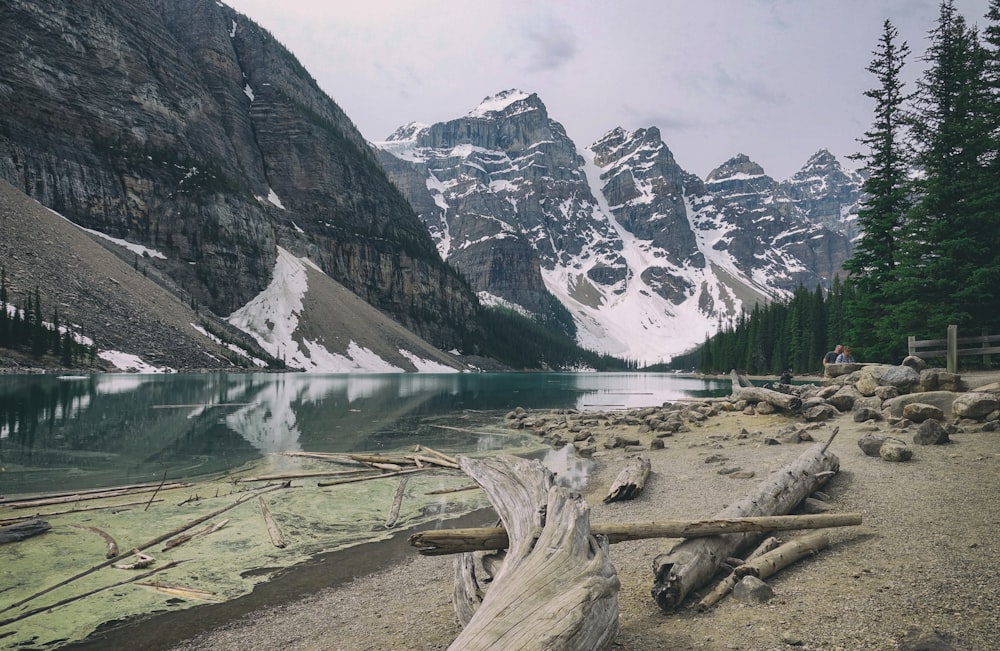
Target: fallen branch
x,y
303,475
162,481
79,510
440,455
273,532
459,489
125,489
368,477
440,542
83,496
397,501
112,545
183,538
781,557
141,562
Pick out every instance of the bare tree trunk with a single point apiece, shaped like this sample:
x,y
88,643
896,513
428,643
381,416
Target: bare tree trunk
x,y
557,588
692,563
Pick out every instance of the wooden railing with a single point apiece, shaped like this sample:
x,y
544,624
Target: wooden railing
x,y
952,347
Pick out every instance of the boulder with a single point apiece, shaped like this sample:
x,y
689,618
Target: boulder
x,y
895,450
867,413
942,399
914,362
867,384
975,405
931,432
836,370
820,413
844,399
903,378
870,444
750,589
938,379
868,402
886,393
918,412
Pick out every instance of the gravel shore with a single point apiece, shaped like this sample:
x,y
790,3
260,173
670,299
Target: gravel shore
x,y
923,568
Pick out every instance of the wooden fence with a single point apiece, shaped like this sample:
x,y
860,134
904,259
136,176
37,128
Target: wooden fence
x,y
952,347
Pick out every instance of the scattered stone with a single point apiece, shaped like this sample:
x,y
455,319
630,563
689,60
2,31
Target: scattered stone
x,y
938,379
903,378
743,474
866,414
766,408
931,432
870,444
975,405
656,444
715,458
770,440
844,398
820,412
752,590
918,412
620,442
917,640
895,450
914,362
886,393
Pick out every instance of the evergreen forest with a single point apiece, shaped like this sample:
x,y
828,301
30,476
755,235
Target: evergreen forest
x,y
929,251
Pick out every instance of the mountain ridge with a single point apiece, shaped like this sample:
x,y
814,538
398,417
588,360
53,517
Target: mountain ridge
x,y
647,257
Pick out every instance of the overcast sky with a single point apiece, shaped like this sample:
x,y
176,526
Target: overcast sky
x,y
776,80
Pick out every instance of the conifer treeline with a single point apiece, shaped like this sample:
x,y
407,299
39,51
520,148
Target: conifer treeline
x,y
23,328
929,251
792,333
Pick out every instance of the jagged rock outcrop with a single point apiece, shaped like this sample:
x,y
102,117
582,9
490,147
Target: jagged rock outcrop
x,y
184,126
827,193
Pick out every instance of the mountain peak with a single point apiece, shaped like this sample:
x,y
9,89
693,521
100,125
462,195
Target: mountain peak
x,y
739,166
505,101
407,132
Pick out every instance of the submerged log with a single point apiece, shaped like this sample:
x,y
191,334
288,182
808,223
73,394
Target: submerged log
x,y
557,588
692,563
21,530
743,390
630,481
439,542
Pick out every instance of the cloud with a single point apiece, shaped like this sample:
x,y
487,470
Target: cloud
x,y
549,48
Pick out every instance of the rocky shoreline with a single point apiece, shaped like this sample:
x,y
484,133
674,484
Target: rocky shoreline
x,y
921,572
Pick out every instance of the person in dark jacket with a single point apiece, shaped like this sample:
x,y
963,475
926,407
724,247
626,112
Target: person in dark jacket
x,y
831,357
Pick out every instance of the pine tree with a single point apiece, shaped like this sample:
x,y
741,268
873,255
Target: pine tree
x,y
949,262
872,266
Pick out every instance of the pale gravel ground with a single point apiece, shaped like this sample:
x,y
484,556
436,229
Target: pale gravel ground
x,y
925,560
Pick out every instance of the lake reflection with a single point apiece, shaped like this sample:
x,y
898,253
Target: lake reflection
x,y
70,433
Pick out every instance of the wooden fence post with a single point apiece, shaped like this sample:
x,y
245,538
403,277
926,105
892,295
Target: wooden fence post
x,y
953,349
911,345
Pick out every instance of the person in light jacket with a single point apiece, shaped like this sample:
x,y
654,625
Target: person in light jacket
x,y
845,356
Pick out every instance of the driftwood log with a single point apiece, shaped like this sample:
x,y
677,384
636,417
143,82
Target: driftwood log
x,y
440,542
557,588
726,585
779,558
630,481
692,563
743,390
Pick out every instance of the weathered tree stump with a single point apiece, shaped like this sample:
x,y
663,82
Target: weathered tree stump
x,y
557,588
630,481
692,563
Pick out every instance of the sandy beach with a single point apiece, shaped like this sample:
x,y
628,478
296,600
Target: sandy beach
x,y
924,565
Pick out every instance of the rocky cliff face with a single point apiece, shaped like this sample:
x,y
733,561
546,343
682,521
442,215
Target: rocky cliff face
x,y
645,256
184,126
827,193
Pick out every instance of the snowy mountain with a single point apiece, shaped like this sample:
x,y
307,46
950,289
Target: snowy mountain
x,y
647,258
